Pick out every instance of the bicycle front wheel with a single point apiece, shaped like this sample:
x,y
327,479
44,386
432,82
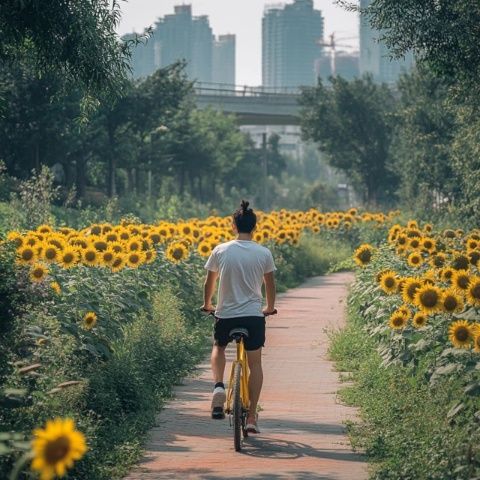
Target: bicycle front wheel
x,y
237,408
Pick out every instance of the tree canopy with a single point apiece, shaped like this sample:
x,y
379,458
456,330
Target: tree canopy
x,y
350,122
76,39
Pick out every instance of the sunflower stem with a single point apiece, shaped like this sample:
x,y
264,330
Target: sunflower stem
x,y
18,467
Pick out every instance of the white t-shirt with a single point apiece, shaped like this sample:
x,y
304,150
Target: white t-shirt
x,y
241,265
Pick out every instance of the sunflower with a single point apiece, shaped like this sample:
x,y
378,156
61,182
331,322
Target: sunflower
x,y
460,334
419,320
89,320
405,310
473,291
118,263
451,301
363,254
51,253
150,255
474,257
410,287
134,244
55,286
176,252
397,321
438,260
388,282
16,238
26,255
44,229
428,298
460,262
100,244
117,247
461,280
135,259
415,260
90,256
68,257
446,274
56,447
205,248
414,243
476,342
38,272
429,244
106,257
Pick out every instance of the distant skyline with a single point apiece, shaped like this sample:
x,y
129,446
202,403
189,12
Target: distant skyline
x,y
242,18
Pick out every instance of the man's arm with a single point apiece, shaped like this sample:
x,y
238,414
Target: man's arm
x,y
209,290
269,279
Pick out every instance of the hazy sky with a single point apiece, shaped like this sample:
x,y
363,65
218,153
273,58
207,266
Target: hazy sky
x,y
241,17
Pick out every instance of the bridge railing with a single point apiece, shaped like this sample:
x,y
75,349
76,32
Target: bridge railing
x,y
223,89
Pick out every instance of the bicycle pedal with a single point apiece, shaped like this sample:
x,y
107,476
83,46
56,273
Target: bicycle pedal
x,y
218,413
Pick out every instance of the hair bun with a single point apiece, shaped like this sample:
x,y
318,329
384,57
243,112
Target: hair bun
x,y
244,205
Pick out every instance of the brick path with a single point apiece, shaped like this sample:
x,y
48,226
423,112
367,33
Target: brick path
x,y
302,434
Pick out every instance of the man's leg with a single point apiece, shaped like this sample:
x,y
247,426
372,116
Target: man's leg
x,y
218,363
255,382
218,370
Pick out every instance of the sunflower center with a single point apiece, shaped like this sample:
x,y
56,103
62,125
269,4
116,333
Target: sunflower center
x,y
90,256
429,298
389,282
27,254
38,273
68,257
365,256
57,450
177,254
450,303
462,334
475,291
462,282
398,321
412,289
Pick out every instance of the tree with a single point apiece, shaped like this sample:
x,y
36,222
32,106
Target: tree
x,y
443,33
421,148
350,122
75,39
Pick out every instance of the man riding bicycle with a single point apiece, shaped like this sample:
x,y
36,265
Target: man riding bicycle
x,y
242,266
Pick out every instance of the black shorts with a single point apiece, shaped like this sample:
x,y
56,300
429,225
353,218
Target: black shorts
x,y
254,325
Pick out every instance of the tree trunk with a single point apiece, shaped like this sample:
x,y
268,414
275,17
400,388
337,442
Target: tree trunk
x,y
81,165
182,181
130,180
111,184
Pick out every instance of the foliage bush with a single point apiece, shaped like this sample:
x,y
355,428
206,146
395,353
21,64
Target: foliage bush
x,y
404,430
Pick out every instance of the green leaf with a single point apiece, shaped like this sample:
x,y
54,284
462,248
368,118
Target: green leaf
x,y
455,410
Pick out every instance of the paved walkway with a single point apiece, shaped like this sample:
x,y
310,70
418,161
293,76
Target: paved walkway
x,y
302,434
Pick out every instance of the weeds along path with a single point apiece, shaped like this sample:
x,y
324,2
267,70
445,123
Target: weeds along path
x,y
302,432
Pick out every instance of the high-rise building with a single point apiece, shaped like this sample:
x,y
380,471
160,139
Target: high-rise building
x,y
182,36
346,66
375,56
291,44
224,60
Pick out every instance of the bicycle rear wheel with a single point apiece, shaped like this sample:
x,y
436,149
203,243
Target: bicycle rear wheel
x,y
237,408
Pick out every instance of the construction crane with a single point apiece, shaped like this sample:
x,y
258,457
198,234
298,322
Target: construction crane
x,y
333,49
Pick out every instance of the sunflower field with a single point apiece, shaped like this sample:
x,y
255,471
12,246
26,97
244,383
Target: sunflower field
x,y
100,322
414,333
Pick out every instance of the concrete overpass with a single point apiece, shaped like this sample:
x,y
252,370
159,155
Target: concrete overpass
x,y
251,105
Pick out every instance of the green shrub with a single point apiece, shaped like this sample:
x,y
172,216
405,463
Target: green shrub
x,y
405,429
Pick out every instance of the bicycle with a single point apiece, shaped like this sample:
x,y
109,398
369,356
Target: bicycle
x,y
238,401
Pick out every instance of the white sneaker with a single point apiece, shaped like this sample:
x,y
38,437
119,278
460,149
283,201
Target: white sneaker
x,y
218,400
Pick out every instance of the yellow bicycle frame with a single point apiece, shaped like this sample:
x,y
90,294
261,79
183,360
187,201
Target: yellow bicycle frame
x,y
242,360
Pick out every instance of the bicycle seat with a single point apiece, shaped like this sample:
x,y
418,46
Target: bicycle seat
x,y
237,333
